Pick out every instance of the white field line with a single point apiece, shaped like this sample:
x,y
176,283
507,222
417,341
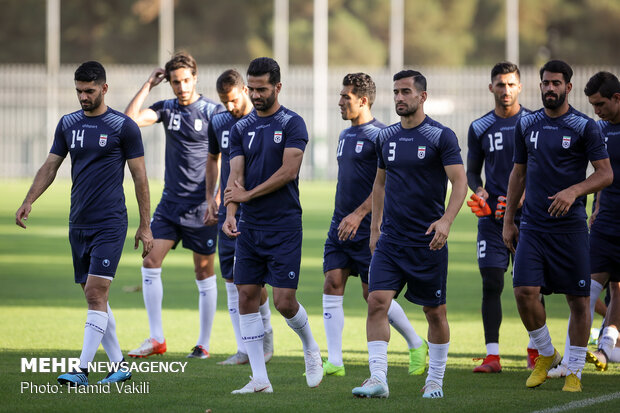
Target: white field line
x,y
580,403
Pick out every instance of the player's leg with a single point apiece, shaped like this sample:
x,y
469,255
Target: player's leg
x,y
207,301
438,345
609,336
578,331
418,348
265,315
112,347
333,318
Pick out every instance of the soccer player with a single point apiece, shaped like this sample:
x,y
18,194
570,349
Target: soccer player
x,y
490,142
347,251
180,213
409,230
266,150
552,148
100,141
233,94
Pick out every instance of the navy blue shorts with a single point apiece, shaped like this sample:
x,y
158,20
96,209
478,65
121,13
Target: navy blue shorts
x,y
491,251
605,254
354,255
425,272
226,252
184,222
558,263
96,251
271,257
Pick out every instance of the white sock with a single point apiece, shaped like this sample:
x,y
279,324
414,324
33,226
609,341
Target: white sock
x,y
299,324
543,341
94,329
377,359
153,293
595,291
608,341
265,314
398,319
493,348
576,360
614,357
233,310
566,347
531,344
109,341
207,304
252,333
437,360
333,321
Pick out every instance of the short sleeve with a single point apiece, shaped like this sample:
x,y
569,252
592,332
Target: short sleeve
x,y
595,144
214,146
131,140
474,146
450,149
235,142
59,146
296,133
520,154
378,150
158,108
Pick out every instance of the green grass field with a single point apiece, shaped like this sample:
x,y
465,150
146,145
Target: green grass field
x,y
43,315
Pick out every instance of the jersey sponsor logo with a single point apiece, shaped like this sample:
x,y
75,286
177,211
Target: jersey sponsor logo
x,y
438,293
103,140
359,146
198,124
106,263
421,152
210,243
277,136
291,275
582,283
565,142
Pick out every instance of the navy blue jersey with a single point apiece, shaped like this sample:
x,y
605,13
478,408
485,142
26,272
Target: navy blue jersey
x,y
262,140
608,219
491,139
416,181
556,151
186,147
357,167
99,147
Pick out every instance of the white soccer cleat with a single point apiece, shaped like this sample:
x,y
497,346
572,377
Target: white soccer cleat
x,y
149,347
268,345
255,386
235,359
557,372
372,387
432,390
314,367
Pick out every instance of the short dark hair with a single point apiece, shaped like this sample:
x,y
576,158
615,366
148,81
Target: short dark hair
x,y
263,65
363,85
557,66
605,83
90,71
227,80
180,60
419,81
503,68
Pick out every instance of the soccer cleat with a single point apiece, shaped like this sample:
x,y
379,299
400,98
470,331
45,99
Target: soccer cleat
x,y
116,377
372,387
330,370
73,379
432,390
557,372
417,359
268,345
198,352
149,347
572,383
532,354
598,358
235,359
543,365
314,367
490,364
255,386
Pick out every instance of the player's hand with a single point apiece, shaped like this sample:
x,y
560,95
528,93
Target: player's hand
x,y
156,77
374,237
510,235
22,214
211,214
562,202
442,229
500,209
236,194
230,227
348,226
593,217
144,234
479,206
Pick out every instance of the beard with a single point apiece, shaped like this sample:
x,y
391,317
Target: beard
x,y
89,106
264,104
553,103
406,111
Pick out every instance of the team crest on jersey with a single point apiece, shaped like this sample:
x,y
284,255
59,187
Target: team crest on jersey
x,y
359,146
198,124
277,136
103,140
421,152
565,142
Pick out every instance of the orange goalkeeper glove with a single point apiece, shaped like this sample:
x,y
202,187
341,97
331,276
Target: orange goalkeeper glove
x,y
500,210
479,206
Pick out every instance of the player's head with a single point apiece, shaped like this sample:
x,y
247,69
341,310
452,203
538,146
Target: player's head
x,y
181,71
603,92
555,84
409,92
357,95
505,84
233,93
263,82
90,85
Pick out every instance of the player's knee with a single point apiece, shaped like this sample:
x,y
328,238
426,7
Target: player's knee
x,y
150,261
377,304
96,297
286,305
332,285
492,281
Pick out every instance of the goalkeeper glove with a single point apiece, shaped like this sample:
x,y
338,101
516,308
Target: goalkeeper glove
x,y
500,210
479,206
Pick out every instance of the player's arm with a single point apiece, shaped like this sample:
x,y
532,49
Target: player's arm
x,y
378,194
42,180
458,179
349,224
236,177
516,189
601,177
597,206
145,117
141,184
211,176
474,177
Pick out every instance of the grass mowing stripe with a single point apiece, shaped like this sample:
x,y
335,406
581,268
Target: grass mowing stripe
x,y
581,403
